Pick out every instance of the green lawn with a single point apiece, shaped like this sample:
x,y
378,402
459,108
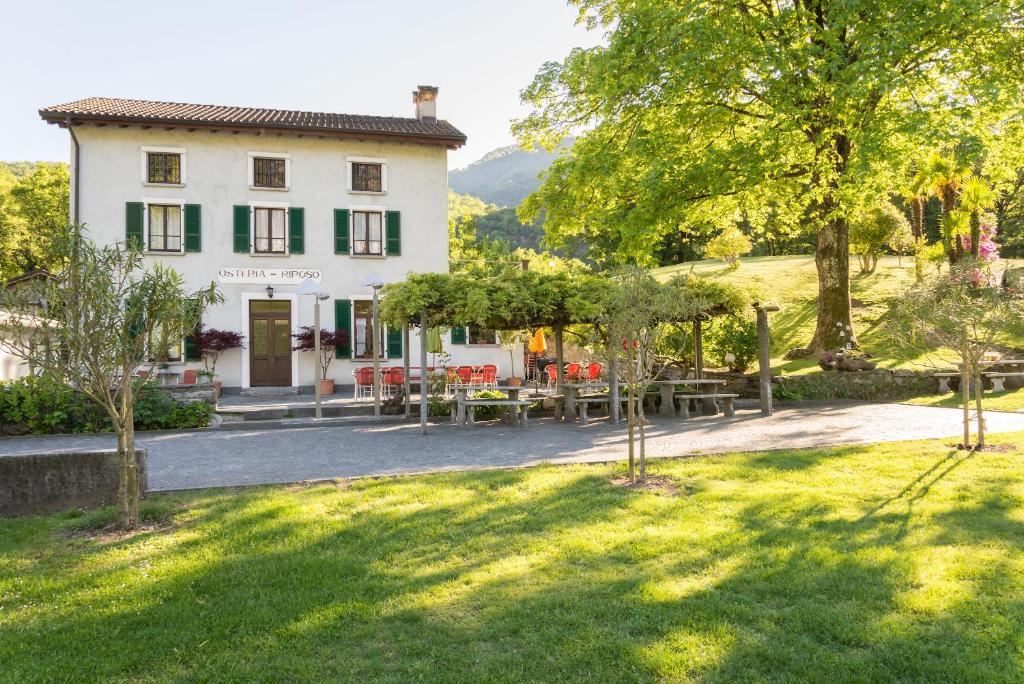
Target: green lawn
x,y
894,562
791,281
1010,400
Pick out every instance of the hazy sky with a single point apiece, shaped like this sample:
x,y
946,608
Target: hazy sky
x,y
344,56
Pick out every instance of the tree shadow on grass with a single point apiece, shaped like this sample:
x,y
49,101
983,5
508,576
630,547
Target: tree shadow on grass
x,y
517,576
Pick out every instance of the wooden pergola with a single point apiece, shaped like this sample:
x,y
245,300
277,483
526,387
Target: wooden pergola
x,y
527,300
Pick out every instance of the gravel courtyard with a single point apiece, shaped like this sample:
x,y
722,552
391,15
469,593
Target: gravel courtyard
x,y
239,457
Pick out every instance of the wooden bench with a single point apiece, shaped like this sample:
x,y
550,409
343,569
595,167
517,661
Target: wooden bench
x,y
998,377
583,402
726,399
510,404
943,379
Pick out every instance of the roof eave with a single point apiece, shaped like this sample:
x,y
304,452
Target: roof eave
x,y
62,119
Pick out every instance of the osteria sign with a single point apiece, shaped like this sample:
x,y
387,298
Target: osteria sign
x,y
267,276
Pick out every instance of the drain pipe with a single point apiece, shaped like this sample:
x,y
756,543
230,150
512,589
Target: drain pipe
x,y
77,169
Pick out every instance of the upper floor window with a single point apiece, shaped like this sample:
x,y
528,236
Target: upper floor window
x,y
367,232
367,177
163,166
367,174
268,230
164,228
269,172
476,334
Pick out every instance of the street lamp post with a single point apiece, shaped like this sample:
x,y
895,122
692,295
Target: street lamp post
x,y
373,280
309,287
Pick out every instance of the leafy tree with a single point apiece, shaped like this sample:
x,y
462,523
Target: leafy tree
x,y
916,193
946,173
975,197
212,342
34,207
872,230
962,310
729,246
100,310
695,110
329,341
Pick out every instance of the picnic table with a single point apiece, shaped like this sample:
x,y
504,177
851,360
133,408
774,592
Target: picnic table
x,y
997,377
462,402
668,387
572,391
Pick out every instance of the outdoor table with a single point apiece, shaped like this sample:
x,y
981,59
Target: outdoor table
x,y
462,391
668,387
571,390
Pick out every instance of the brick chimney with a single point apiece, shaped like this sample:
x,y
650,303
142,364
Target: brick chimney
x,y
425,99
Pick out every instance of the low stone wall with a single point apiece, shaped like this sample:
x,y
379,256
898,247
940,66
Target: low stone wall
x,y
52,482
873,385
184,394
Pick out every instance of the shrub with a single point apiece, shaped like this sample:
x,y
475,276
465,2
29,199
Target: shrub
x,y
729,246
488,412
34,406
732,341
872,230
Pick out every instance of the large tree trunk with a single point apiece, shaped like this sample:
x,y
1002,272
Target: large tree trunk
x,y
832,257
975,234
835,326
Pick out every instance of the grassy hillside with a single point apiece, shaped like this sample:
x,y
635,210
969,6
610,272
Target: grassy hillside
x,y
791,281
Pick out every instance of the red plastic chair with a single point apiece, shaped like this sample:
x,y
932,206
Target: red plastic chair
x,y
572,371
465,374
490,373
364,381
552,372
392,379
477,376
594,371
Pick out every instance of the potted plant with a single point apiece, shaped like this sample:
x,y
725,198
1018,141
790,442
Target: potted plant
x,y
328,343
211,343
511,338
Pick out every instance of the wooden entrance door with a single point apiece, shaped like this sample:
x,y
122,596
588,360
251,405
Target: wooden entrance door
x,y
270,343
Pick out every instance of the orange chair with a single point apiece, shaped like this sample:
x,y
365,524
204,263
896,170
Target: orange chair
x,y
465,374
572,372
490,373
364,381
552,372
594,372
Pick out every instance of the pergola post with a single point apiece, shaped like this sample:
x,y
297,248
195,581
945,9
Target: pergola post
x,y
559,370
424,375
406,385
764,363
708,407
614,408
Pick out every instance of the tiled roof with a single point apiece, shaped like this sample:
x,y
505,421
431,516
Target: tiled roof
x,y
117,110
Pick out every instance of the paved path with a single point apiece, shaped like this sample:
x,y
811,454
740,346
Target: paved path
x,y
236,457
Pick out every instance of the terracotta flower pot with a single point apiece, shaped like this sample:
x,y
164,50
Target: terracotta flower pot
x,y
190,377
327,386
514,382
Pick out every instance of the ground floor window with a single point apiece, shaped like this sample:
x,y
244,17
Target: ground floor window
x,y
268,230
362,324
476,334
164,228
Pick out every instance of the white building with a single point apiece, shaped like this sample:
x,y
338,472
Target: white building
x,y
259,199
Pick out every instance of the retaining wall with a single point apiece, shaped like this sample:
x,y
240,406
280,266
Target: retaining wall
x,y
52,482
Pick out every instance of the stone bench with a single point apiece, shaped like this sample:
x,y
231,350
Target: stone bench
x,y
584,402
726,399
998,378
509,404
943,379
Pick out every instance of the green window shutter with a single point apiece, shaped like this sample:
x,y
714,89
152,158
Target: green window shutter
x,y
296,230
341,231
394,342
459,335
193,228
394,227
133,224
343,327
241,214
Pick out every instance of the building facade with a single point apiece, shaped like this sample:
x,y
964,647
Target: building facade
x,y
258,200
